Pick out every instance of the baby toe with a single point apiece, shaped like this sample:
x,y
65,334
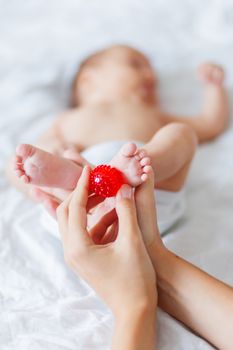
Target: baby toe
x,y
144,177
25,150
142,153
18,159
19,172
17,166
129,149
147,169
25,179
145,161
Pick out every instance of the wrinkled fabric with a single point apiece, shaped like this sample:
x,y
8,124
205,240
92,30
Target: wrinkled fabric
x,y
43,305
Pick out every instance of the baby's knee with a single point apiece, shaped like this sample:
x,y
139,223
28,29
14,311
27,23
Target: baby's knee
x,y
185,134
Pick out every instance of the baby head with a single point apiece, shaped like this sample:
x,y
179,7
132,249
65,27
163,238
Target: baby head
x,y
114,74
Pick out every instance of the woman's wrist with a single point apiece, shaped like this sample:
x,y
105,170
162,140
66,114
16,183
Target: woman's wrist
x,y
158,252
138,311
136,328
165,265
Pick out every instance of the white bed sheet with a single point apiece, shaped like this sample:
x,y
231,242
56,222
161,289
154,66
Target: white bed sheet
x,y
42,304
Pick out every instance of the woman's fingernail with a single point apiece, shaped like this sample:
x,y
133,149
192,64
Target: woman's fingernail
x,y
126,191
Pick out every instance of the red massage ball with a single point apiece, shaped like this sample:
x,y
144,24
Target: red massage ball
x,y
105,181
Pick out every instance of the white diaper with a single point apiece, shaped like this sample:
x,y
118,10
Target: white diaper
x,y
170,205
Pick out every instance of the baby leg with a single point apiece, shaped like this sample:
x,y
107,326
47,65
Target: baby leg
x,y
214,117
171,151
41,168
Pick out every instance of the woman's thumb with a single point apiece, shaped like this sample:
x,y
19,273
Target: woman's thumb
x,y
126,209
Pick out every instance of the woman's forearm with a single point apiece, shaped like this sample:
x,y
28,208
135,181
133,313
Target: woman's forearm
x,y
136,330
195,298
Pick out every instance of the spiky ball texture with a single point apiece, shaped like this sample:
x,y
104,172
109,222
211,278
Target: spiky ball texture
x,y
105,181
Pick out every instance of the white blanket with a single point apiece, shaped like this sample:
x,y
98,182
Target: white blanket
x,y
43,306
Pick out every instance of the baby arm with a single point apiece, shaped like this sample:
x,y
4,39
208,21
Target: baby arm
x,y
214,117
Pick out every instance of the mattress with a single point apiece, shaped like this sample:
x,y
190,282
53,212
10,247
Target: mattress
x,y
43,305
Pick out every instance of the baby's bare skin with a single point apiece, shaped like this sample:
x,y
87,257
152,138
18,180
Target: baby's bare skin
x,y
40,168
107,122
124,106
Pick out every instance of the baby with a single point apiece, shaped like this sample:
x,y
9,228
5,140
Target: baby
x,y
116,118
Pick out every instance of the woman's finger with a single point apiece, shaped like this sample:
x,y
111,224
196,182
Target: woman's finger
x,y
49,201
62,219
146,214
51,205
99,229
111,234
93,201
126,212
77,209
39,195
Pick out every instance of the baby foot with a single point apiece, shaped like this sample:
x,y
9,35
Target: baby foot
x,y
134,163
211,73
37,167
75,156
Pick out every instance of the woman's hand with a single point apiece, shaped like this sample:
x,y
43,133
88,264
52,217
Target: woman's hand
x,y
146,214
121,272
185,292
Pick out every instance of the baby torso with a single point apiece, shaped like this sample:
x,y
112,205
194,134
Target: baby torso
x,y
96,124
